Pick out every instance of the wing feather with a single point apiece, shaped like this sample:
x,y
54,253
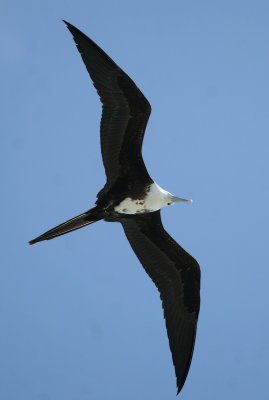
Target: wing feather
x,y
125,110
177,277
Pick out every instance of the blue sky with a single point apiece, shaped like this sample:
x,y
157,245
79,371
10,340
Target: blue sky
x,y
80,319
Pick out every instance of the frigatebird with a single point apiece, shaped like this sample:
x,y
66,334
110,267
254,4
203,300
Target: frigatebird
x,y
132,198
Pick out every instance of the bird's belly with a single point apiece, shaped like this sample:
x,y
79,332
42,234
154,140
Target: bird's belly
x,y
137,206
154,199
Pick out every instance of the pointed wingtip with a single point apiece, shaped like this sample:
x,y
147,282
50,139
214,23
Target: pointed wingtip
x,y
68,25
179,388
72,29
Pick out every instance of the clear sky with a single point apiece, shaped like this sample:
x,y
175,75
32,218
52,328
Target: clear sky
x,y
80,319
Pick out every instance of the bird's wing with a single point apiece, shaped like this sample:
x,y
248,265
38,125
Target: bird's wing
x,y
177,277
125,110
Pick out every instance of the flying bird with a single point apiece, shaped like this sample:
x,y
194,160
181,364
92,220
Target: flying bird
x,y
131,197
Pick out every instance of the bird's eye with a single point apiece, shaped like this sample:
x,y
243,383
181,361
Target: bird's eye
x,y
168,204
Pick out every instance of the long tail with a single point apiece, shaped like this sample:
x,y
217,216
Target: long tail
x,y
87,218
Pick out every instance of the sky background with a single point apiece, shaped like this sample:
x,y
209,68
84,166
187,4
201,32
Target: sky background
x,y
80,319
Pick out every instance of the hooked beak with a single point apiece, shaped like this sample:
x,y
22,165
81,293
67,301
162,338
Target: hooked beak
x,y
180,199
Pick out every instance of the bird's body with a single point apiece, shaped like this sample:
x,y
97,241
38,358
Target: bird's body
x,y
131,197
150,198
153,199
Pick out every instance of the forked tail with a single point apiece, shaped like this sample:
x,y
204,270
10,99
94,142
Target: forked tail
x,y
87,218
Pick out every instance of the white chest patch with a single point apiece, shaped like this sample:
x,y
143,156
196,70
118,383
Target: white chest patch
x,y
155,199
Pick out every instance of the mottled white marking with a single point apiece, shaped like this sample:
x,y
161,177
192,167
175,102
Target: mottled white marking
x,y
155,199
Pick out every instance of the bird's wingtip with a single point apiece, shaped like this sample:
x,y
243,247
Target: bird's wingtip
x,y
179,387
66,23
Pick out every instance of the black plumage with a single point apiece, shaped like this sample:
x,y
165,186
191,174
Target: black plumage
x,y
124,116
175,273
177,277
